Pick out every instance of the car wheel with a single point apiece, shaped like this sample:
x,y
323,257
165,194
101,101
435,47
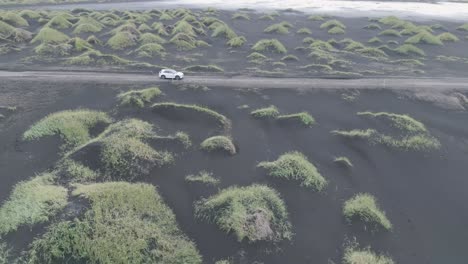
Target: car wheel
x,y
177,77
163,77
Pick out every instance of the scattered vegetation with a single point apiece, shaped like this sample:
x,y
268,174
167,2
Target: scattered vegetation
x,y
267,112
218,143
303,118
463,27
280,28
373,26
203,68
138,98
32,202
424,38
49,35
336,31
295,166
241,16
354,255
73,126
304,31
332,24
364,207
269,45
125,223
203,177
409,49
236,41
254,213
448,37
343,161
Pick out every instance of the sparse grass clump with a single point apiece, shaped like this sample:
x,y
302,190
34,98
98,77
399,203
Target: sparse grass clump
x,y
59,21
6,29
409,49
424,38
336,31
343,161
354,255
241,16
223,120
254,213
203,68
373,26
295,166
269,45
4,253
332,23
147,38
32,202
364,207
290,57
355,133
77,172
303,118
236,41
280,28
304,31
186,42
49,35
218,143
448,37
316,18
267,112
203,177
14,19
374,40
150,50
125,223
122,40
402,122
463,27
73,126
138,98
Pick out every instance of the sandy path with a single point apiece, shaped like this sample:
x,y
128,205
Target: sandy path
x,y
443,85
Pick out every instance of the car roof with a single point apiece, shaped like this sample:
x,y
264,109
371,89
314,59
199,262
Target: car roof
x,y
168,69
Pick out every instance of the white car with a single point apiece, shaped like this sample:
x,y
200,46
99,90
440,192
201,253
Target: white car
x,y
170,74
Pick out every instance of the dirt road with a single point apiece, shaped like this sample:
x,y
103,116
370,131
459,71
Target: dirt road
x,y
443,85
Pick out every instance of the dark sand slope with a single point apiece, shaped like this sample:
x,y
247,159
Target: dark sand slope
x,y
422,193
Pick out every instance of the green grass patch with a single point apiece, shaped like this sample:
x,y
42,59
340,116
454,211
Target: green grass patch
x,y
73,126
280,28
317,67
463,27
402,122
5,253
302,118
424,38
270,45
218,143
374,40
32,202
183,26
252,213
14,19
222,29
147,38
138,98
60,22
221,119
122,40
391,21
203,68
203,177
336,31
151,50
186,42
448,37
390,33
125,223
331,24
343,161
240,16
86,28
316,18
236,42
266,112
160,29
50,35
295,166
364,207
355,255
290,57
373,26
304,31
77,172
6,29
409,49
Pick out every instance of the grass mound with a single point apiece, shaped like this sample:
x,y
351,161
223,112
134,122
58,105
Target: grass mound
x,y
269,45
138,98
32,202
364,207
14,19
331,24
221,119
280,28
390,33
354,255
203,68
218,143
448,37
373,26
6,29
203,177
76,172
122,40
304,31
295,166
184,27
86,28
241,16
20,35
73,126
266,112
355,133
186,42
125,223
303,118
409,49
336,31
49,35
222,29
151,50
160,29
236,42
59,21
147,38
254,213
424,38
290,57
463,27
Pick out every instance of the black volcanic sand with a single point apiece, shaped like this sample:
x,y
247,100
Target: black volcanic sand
x,y
423,194
234,61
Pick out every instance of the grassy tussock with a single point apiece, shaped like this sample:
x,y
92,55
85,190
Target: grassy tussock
x,y
73,126
252,213
355,255
280,28
203,177
304,31
302,118
138,98
60,22
343,161
160,28
402,122
409,49
448,37
184,27
390,33
364,207
49,35
463,27
125,223
316,18
266,112
374,40
203,68
6,29
269,45
331,24
223,120
295,166
241,16
186,42
218,143
77,172
32,202
290,57
122,40
373,26
236,41
14,19
424,38
151,50
336,31
147,38
86,28
4,253
355,133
